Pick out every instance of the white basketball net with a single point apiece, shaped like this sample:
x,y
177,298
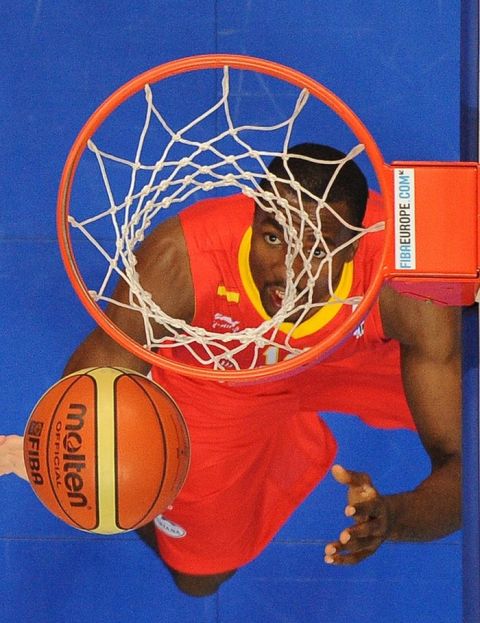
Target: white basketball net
x,y
171,182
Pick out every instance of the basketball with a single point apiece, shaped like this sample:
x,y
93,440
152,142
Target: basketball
x,y
106,450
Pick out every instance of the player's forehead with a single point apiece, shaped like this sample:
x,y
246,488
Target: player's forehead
x,y
310,215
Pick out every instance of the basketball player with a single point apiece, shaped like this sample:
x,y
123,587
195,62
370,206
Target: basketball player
x,y
258,450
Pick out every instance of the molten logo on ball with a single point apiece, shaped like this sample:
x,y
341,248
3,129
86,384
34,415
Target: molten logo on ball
x,y
69,465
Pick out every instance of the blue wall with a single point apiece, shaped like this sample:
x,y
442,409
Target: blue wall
x,y
397,65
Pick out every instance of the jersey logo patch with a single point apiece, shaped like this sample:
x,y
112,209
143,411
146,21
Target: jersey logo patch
x,y
225,322
230,295
170,528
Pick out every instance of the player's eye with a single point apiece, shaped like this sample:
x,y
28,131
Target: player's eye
x,y
319,252
272,239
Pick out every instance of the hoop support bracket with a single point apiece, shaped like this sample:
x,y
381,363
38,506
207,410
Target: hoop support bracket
x,y
433,251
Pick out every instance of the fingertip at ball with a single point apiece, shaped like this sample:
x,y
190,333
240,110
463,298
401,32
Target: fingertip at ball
x,y
106,450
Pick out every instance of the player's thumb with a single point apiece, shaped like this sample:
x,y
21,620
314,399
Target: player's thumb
x,y
341,474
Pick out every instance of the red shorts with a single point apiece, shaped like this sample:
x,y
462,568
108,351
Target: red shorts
x,y
258,451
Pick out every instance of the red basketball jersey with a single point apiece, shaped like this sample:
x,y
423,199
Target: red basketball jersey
x,y
360,377
259,449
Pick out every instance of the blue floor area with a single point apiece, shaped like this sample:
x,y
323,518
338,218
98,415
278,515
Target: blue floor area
x,y
71,576
117,581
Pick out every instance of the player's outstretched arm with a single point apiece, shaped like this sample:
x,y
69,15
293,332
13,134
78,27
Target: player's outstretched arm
x,y
164,271
430,343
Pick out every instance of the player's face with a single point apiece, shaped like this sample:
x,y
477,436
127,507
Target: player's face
x,y
269,248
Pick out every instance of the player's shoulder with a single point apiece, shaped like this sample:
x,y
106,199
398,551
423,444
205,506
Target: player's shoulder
x,y
415,321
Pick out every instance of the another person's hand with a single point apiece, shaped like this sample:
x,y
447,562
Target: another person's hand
x,y
369,511
11,456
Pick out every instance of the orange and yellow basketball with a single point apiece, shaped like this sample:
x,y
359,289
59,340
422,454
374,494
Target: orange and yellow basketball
x,y
106,450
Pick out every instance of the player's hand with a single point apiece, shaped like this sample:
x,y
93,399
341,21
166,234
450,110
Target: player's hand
x,y
367,507
11,456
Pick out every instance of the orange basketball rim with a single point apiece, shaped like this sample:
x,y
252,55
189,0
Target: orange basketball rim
x,y
431,222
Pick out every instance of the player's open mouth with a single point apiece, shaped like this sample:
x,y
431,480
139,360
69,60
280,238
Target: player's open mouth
x,y
276,297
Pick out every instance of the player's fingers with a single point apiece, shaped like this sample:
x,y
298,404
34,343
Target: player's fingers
x,y
6,466
332,548
351,558
360,493
12,441
358,483
340,474
331,551
11,456
351,478
365,510
355,550
374,528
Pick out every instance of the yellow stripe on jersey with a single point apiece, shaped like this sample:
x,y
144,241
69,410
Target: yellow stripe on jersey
x,y
321,318
230,295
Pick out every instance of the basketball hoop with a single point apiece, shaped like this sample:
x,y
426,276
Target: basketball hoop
x,y
147,206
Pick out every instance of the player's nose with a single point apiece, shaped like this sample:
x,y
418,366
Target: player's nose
x,y
278,270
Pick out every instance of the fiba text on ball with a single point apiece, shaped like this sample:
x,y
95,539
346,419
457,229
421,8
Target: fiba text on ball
x,y
68,461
